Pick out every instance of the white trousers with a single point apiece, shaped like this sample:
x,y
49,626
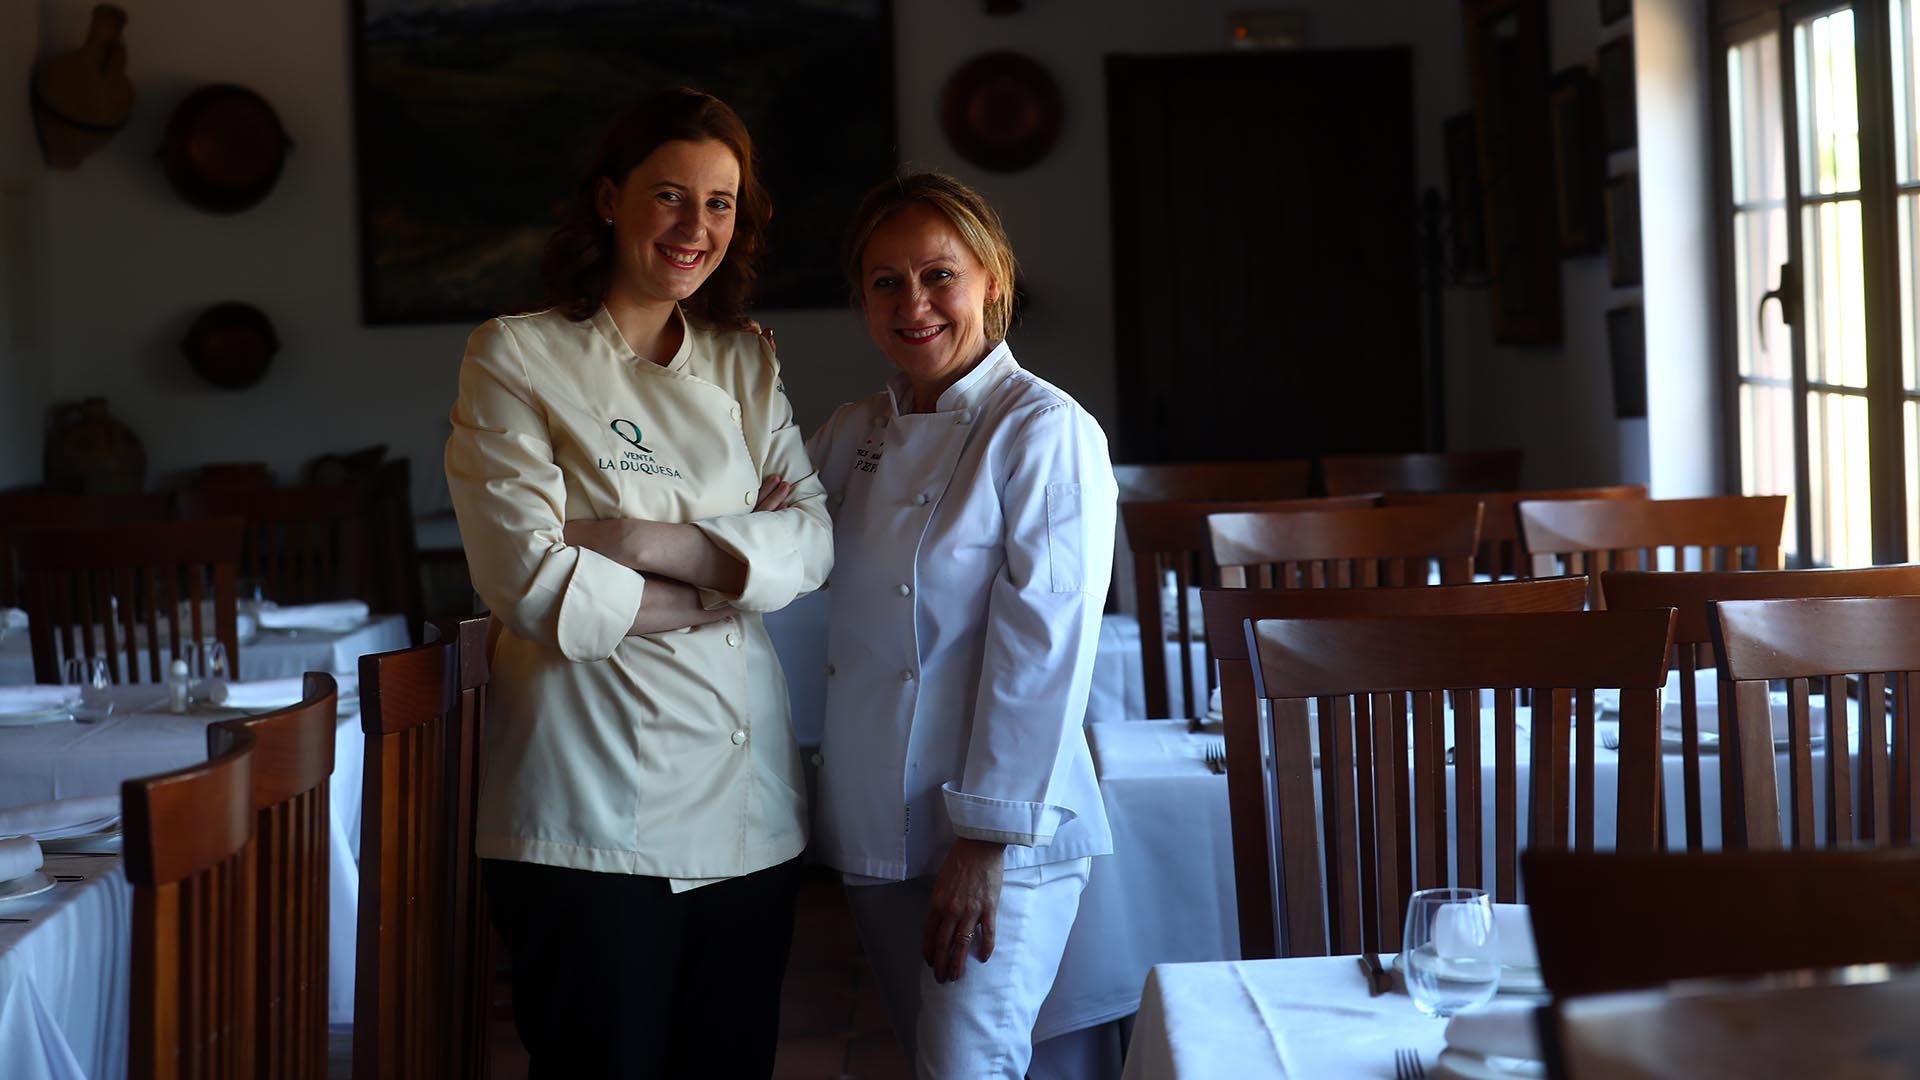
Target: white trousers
x,y
978,1027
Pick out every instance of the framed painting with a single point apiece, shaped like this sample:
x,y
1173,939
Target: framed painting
x,y
1627,354
1615,61
473,119
1623,230
1579,165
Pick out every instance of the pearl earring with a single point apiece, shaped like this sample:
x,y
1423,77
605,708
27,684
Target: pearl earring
x,y
608,220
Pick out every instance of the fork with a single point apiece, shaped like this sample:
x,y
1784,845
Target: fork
x,y
1610,740
1407,1066
1215,756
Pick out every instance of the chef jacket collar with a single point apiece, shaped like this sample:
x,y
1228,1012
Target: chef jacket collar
x,y
966,394
610,333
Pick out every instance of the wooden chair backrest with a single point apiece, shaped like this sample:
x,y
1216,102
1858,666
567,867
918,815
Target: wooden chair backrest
x,y
394,558
1251,796
1615,921
98,591
1500,556
421,968
1749,803
1342,549
1589,536
304,544
1200,481
190,859
1462,470
1171,538
1822,643
22,511
1370,668
234,474
292,759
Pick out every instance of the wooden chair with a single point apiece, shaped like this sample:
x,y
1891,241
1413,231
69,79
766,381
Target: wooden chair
x,y
1500,556
233,475
304,544
190,859
1825,642
20,512
1214,480
100,591
1748,812
1615,921
1725,532
1462,470
1249,781
1344,549
1854,1021
1371,667
421,981
393,556
1171,538
292,759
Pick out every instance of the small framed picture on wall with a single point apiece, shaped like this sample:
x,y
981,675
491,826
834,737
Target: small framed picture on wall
x,y
1627,355
1615,61
1623,230
1579,165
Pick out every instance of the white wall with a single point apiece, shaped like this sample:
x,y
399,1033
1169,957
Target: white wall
x,y
126,265
1677,211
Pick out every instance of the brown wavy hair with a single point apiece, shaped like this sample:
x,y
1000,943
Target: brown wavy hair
x,y
577,266
972,217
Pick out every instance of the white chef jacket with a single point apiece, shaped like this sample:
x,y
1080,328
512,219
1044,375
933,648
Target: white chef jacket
x,y
972,548
668,755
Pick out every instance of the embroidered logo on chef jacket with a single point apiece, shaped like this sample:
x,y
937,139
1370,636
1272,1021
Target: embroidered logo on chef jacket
x,y
867,454
640,459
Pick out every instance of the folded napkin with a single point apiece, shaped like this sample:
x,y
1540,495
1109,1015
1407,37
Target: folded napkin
x,y
1515,929
335,615
12,619
61,818
263,694
1500,1029
19,856
23,699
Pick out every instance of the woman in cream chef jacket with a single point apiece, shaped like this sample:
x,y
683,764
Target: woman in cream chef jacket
x,y
973,513
640,809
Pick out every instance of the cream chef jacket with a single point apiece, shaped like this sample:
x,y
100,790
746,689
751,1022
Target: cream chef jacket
x,y
668,755
972,547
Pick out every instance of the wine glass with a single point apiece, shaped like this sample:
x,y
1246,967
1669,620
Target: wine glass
x,y
95,680
212,687
1451,957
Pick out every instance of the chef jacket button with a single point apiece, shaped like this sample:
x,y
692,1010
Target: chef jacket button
x,y
733,639
686,629
816,761
828,669
906,589
921,499
750,498
734,412
906,675
964,416
739,738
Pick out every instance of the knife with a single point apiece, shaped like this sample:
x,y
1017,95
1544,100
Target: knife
x,y
1376,975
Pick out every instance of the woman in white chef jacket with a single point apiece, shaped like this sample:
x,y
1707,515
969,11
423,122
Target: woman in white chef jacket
x,y
640,809
973,508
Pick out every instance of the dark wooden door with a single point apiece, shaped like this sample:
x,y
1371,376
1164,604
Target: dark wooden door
x,y
1264,254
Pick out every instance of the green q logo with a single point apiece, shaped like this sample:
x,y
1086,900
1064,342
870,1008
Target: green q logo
x,y
631,433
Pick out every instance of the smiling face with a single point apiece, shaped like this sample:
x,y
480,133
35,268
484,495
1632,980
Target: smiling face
x,y
672,216
924,294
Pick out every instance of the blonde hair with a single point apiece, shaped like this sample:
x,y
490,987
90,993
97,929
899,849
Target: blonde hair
x,y
971,216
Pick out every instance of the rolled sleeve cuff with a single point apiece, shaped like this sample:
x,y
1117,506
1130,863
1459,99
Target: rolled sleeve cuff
x,y
1028,824
599,607
773,576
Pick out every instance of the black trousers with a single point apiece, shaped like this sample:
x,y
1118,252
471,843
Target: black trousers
x,y
616,976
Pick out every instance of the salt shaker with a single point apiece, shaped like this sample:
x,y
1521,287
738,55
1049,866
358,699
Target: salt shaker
x,y
178,680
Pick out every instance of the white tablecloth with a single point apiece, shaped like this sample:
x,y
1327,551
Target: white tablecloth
x,y
1119,682
1269,1019
56,761
270,654
64,974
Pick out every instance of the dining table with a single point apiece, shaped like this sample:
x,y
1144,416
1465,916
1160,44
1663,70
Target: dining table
x,y
65,972
264,654
143,737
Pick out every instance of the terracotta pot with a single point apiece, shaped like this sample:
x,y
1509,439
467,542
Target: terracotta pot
x,y
224,148
231,345
82,98
88,452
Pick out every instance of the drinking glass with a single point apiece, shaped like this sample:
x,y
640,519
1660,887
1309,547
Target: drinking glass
x,y
251,596
1451,958
212,687
95,680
